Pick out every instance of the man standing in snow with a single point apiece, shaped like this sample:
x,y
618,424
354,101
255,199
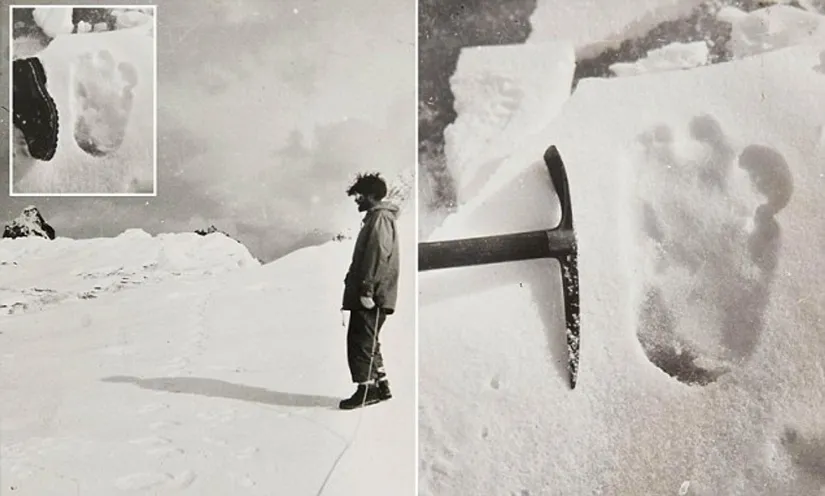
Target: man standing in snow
x,y
370,290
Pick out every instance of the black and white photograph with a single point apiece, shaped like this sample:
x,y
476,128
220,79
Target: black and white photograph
x,y
621,247
250,329
83,100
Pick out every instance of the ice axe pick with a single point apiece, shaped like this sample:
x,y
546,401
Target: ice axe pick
x,y
559,243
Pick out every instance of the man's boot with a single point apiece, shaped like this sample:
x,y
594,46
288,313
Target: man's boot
x,y
382,384
35,113
365,394
383,387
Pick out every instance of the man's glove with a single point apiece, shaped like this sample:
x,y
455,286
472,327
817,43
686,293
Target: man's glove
x,y
367,302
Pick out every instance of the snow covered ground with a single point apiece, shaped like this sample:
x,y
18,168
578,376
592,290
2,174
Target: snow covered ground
x,y
670,57
772,28
103,85
37,272
216,376
497,91
592,24
696,197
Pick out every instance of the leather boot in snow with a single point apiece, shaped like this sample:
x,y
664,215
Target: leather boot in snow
x,y
365,394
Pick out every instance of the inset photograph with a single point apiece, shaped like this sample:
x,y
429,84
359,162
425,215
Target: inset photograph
x,y
83,101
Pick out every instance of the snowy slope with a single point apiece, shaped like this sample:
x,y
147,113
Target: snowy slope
x,y
591,25
696,196
671,57
103,88
771,28
37,272
499,91
54,21
211,385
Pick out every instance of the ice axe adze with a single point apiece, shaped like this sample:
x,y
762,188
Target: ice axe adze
x,y
558,243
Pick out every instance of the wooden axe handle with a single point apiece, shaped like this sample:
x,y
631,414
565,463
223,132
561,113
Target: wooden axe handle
x,y
554,243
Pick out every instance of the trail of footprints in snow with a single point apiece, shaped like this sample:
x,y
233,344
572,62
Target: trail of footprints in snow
x,y
436,463
714,254
145,481
156,445
495,384
194,346
159,445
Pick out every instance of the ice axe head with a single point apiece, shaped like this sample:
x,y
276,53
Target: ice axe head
x,y
568,261
558,175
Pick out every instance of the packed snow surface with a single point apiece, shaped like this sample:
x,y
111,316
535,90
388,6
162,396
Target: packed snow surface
x,y
498,92
697,200
206,385
593,25
54,21
590,25
103,85
771,28
670,57
37,272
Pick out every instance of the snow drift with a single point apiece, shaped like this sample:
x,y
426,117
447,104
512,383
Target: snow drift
x,y
671,57
592,25
771,28
498,92
696,196
103,85
54,21
658,35
38,272
203,385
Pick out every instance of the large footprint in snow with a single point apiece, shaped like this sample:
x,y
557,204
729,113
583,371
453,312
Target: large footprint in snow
x,y
710,244
103,97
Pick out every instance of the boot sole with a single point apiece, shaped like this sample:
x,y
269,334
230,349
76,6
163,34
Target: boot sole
x,y
360,405
41,128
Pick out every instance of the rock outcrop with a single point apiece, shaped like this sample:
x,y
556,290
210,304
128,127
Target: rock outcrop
x,y
209,230
212,230
29,223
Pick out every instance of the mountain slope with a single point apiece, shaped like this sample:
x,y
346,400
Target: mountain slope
x,y
209,385
37,272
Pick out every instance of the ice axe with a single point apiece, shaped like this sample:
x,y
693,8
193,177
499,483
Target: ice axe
x,y
559,243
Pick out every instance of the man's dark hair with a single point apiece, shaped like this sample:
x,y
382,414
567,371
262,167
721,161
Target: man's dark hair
x,y
372,185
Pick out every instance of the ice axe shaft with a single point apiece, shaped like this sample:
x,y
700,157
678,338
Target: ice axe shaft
x,y
559,243
495,249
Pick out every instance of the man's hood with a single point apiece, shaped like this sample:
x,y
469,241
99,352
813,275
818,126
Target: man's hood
x,y
390,207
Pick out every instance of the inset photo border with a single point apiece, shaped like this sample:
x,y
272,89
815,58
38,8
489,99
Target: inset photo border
x,y
83,99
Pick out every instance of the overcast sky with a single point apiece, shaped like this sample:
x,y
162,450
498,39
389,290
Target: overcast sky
x,y
266,110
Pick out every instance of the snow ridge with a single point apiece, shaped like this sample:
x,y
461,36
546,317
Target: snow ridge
x,y
35,272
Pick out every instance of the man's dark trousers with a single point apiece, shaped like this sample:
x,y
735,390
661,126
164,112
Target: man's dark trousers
x,y
362,334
